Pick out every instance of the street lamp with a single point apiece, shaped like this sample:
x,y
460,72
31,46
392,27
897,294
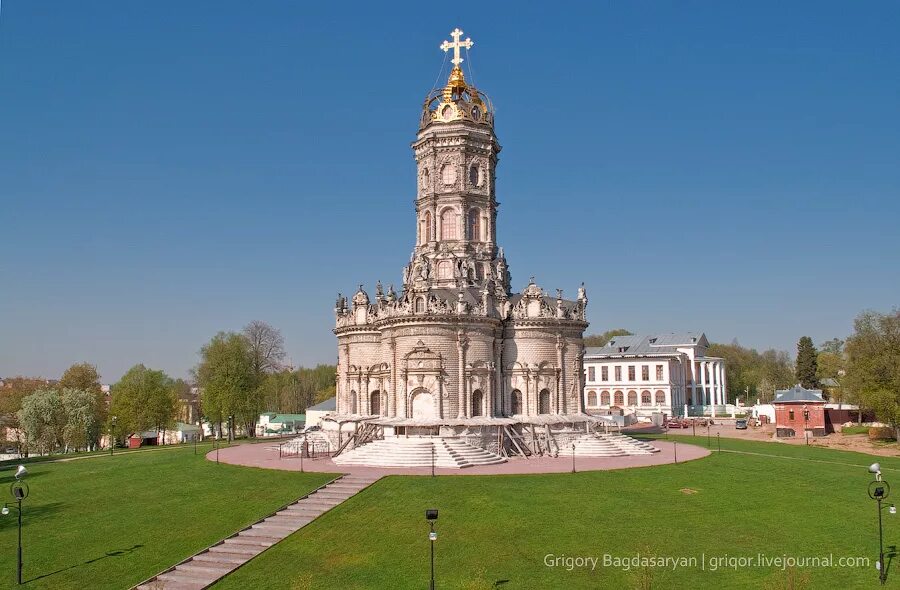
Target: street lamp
x,y
806,423
879,490
432,459
112,435
19,491
573,457
431,515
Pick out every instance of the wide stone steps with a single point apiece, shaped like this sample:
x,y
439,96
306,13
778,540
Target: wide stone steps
x,y
210,565
607,445
418,452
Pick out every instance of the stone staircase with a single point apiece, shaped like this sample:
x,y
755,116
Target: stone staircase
x,y
398,451
203,569
607,445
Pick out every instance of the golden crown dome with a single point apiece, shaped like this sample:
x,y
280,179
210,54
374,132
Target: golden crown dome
x,y
458,100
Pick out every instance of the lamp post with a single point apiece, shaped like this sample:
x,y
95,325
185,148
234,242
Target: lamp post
x,y
112,435
879,490
432,459
573,457
806,424
19,491
431,516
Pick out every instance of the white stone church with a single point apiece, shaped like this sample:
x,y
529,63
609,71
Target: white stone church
x,y
454,351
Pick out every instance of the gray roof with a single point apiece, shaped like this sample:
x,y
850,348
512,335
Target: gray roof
x,y
648,345
329,405
797,394
829,382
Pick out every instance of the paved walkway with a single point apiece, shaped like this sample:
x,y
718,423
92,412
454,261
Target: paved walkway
x,y
203,569
265,456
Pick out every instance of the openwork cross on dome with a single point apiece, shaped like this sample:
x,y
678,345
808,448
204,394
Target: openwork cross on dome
x,y
456,46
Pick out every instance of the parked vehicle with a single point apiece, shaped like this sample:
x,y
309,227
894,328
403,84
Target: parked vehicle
x,y
740,424
673,424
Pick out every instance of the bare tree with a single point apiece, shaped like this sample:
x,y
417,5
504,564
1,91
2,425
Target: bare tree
x,y
266,347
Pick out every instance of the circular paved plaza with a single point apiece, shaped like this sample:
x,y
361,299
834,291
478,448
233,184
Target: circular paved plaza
x,y
266,456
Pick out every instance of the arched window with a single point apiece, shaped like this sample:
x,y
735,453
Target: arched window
x,y
426,228
620,399
515,399
448,224
477,403
632,398
420,305
375,403
544,402
474,225
604,398
592,399
448,174
645,398
474,175
445,269
660,398
353,402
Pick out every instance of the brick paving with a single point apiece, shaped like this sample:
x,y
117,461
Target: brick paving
x,y
262,455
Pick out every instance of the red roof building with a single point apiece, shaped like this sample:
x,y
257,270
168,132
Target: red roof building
x,y
798,411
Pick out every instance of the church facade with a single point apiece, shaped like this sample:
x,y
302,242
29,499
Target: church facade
x,y
454,345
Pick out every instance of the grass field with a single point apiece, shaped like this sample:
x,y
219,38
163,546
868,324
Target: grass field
x,y
109,522
496,532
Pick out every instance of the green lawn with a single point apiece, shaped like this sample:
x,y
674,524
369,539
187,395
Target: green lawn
x,y
110,522
495,532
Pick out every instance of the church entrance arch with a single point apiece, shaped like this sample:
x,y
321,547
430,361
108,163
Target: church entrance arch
x,y
423,405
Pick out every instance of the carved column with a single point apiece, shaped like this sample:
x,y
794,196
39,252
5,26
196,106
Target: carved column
x,y
461,341
561,379
391,402
406,410
439,402
499,409
368,402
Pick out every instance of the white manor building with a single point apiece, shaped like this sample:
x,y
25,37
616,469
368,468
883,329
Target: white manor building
x,y
668,373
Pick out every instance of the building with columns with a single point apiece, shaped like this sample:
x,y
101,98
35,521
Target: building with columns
x,y
454,347
668,373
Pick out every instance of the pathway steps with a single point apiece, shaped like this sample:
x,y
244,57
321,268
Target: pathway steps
x,y
210,565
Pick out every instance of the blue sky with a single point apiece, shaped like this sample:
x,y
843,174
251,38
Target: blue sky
x,y
172,169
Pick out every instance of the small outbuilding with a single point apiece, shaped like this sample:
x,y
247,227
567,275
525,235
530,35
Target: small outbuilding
x,y
314,414
798,411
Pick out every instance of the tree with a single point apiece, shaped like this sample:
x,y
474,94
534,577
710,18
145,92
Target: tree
x,y
42,417
807,363
143,399
266,347
81,418
84,377
834,346
605,337
873,365
228,379
13,391
294,391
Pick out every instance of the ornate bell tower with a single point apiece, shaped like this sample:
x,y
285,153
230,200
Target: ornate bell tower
x,y
456,207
